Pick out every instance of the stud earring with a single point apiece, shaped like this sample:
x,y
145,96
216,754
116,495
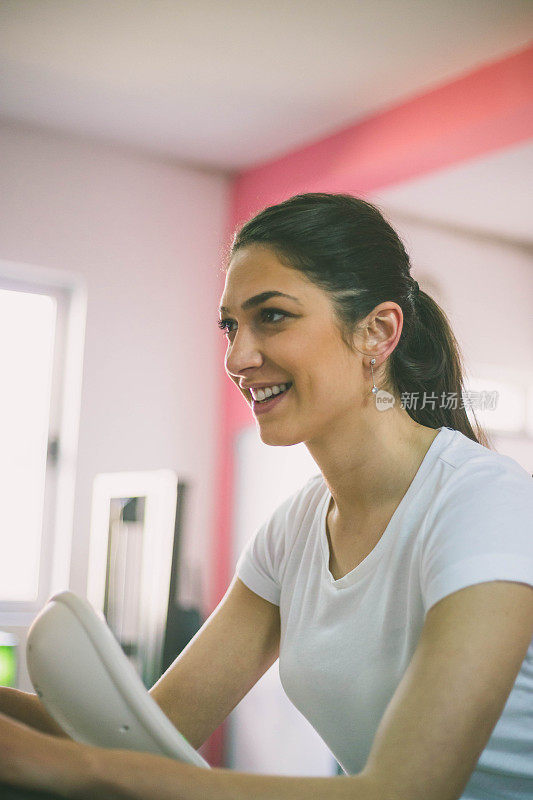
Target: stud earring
x,y
374,388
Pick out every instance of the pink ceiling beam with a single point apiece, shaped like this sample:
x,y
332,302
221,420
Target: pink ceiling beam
x,y
486,110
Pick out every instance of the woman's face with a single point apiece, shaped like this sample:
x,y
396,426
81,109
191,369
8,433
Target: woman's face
x,y
287,340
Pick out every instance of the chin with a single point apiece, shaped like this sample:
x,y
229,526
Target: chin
x,y
276,438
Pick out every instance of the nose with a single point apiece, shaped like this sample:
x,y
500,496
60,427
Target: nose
x,y
242,353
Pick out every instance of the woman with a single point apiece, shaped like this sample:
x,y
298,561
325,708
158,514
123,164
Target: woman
x,y
395,585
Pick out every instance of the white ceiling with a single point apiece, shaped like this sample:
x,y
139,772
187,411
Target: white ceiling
x,y
230,83
227,84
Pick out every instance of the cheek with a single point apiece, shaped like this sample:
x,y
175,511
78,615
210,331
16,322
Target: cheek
x,y
337,384
312,352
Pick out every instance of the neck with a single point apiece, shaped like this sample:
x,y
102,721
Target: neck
x,y
370,461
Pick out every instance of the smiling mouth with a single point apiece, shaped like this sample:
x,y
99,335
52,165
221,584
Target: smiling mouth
x,y
272,396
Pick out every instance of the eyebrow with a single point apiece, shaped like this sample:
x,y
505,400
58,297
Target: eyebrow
x,y
257,299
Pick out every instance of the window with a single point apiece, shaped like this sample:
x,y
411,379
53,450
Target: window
x,y
41,338
27,330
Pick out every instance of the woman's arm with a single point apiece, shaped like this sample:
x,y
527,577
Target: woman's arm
x,y
228,655
426,746
433,731
35,761
453,692
27,708
118,775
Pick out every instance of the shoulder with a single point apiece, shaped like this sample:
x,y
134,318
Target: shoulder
x,y
476,480
479,525
263,561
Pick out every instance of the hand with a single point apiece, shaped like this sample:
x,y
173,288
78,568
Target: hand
x,y
33,760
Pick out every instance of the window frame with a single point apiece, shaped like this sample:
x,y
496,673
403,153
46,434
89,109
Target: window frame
x,y
70,294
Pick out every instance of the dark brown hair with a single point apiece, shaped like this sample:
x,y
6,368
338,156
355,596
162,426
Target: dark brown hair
x,y
345,246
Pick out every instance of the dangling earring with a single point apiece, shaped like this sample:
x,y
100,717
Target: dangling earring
x,y
374,388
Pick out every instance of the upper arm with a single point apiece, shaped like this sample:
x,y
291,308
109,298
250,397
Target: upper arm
x,y
451,696
228,655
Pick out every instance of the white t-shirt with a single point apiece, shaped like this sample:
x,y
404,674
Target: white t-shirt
x,y
466,518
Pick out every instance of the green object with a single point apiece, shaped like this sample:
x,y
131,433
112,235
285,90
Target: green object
x,y
8,659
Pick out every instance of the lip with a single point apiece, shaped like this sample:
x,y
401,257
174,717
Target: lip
x,y
263,408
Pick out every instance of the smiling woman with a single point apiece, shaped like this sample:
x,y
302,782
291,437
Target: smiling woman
x,y
395,586
411,492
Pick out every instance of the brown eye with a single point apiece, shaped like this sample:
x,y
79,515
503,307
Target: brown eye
x,y
266,311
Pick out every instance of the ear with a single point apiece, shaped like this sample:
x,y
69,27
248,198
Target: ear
x,y
381,330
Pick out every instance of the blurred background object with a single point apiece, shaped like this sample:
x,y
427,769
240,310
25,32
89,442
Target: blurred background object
x,y
8,659
134,559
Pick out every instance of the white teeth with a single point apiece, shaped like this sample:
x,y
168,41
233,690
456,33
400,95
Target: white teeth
x,y
262,394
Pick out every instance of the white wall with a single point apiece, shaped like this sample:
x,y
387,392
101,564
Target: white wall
x,y
146,236
485,286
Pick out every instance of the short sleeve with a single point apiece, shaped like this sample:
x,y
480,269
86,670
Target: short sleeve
x,y
481,530
263,561
257,565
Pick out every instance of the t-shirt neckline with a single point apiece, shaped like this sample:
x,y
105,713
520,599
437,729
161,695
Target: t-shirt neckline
x,y
435,448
